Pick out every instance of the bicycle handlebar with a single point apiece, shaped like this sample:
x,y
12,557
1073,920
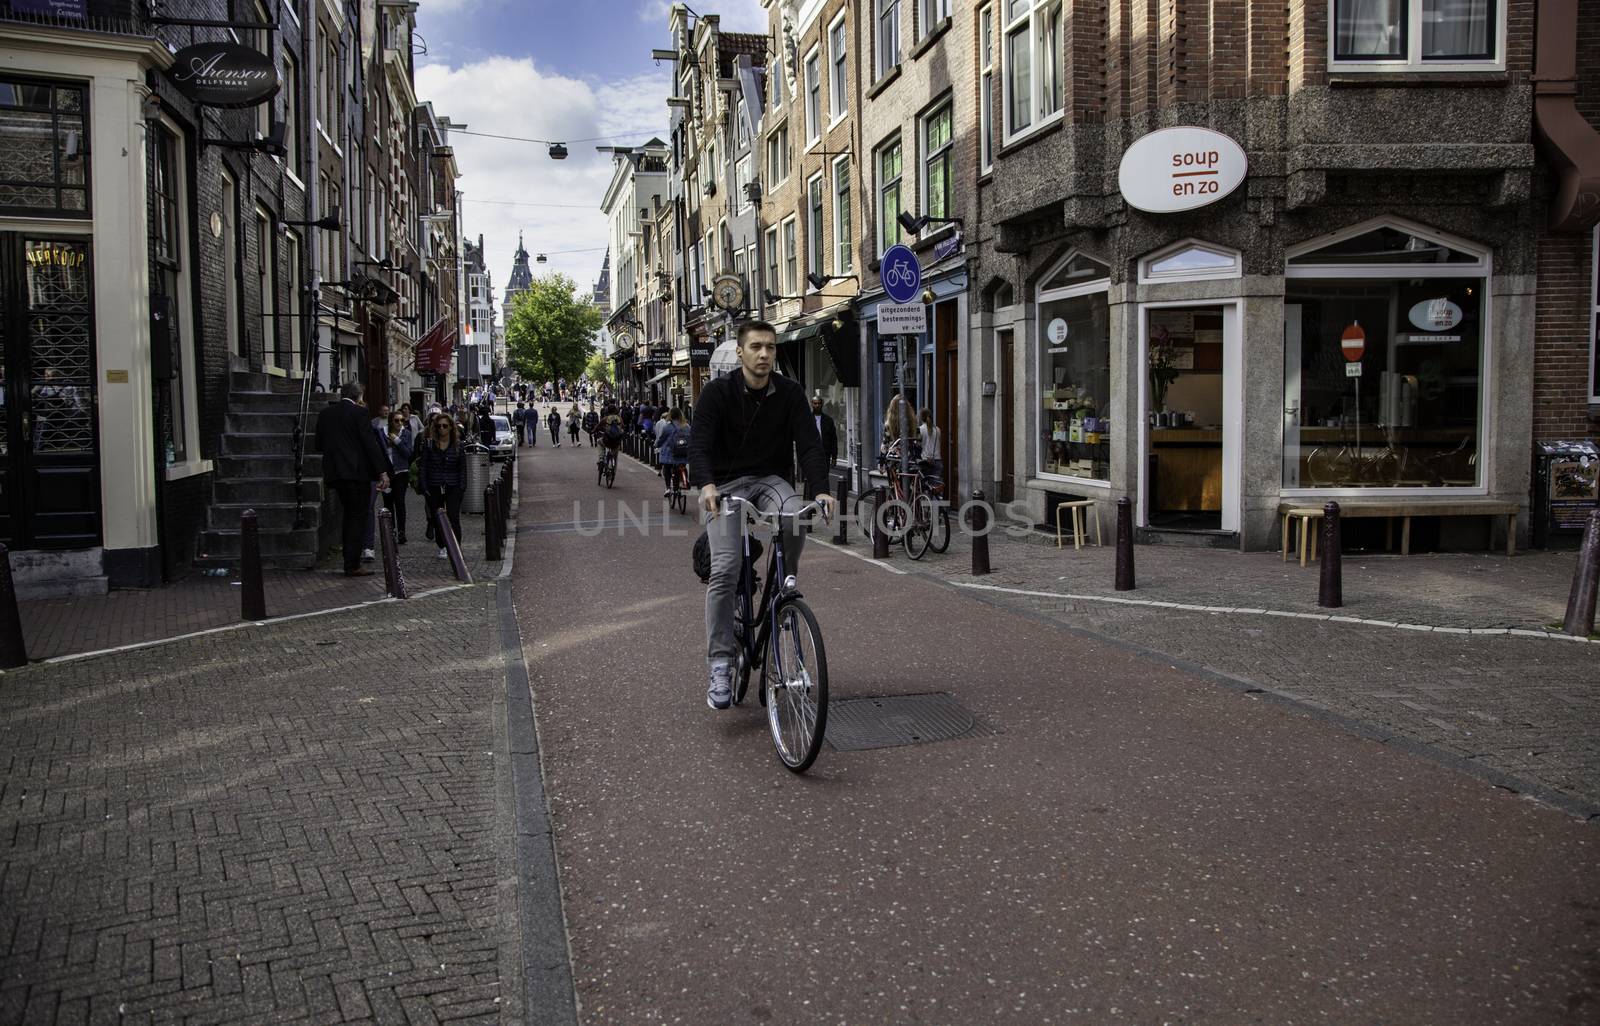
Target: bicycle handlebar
x,y
729,508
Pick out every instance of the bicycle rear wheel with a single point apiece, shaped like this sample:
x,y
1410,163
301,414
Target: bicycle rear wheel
x,y
919,530
794,680
939,536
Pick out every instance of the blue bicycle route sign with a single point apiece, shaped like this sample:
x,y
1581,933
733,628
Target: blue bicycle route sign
x,y
900,273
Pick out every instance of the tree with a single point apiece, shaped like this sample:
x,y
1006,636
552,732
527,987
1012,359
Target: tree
x,y
550,330
599,367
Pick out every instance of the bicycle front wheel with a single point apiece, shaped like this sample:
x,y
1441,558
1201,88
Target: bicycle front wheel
x,y
919,529
939,527
794,680
865,511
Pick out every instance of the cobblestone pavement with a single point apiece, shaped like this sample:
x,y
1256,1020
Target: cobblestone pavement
x,y
55,627
299,822
1522,711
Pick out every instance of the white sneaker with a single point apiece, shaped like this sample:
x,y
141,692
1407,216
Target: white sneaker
x,y
444,553
367,555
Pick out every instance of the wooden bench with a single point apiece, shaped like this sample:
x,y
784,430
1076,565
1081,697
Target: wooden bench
x,y
1405,509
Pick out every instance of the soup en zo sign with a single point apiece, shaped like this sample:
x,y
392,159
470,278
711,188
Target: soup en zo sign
x,y
1180,169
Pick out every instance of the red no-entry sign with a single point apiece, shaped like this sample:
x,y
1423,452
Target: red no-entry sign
x,y
1353,342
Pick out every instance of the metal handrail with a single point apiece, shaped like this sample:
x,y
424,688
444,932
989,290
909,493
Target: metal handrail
x,y
317,349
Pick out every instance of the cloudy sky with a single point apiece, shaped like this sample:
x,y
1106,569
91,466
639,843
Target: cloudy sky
x,y
572,70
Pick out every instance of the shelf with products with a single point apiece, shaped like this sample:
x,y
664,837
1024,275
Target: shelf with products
x,y
1077,439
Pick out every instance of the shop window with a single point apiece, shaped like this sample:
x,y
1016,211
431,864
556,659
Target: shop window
x,y
1032,57
1383,363
44,148
1190,261
1073,342
1418,35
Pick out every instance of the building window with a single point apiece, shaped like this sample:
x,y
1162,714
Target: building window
x,y
886,55
267,287
741,178
294,262
778,157
44,155
986,88
938,162
291,113
1594,322
713,252
1074,354
230,260
1190,261
775,73
1032,57
771,287
172,282
888,195
1416,34
814,244
790,265
1412,306
838,77
844,251
930,14
813,96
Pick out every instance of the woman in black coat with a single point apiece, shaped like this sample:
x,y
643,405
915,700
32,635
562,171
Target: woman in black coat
x,y
443,476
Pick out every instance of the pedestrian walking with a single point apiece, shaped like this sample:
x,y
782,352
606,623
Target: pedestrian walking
x,y
518,415
827,430
443,476
591,424
351,461
413,421
486,425
398,446
572,425
554,423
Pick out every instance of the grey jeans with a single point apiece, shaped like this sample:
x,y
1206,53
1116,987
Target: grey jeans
x,y
770,494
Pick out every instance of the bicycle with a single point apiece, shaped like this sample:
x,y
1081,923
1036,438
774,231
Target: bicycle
x,y
915,514
1335,466
608,467
787,642
930,514
678,485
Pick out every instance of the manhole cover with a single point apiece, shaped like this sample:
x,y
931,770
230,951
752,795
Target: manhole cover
x,y
857,724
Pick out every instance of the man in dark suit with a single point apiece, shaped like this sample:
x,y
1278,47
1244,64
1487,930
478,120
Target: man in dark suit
x,y
351,461
827,429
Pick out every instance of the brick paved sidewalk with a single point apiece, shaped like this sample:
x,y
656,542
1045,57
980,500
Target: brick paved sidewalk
x,y
298,822
55,627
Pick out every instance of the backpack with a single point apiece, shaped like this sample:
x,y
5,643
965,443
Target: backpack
x,y
680,446
613,432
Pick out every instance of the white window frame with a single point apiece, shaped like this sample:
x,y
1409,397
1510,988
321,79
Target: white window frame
x,y
1042,296
816,217
885,12
1483,268
813,87
789,264
295,259
1036,17
711,252
267,283
924,195
986,28
1151,277
1594,318
778,144
838,71
1413,61
741,178
930,14
188,368
771,285
843,248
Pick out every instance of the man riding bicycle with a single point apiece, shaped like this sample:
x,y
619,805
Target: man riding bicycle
x,y
748,427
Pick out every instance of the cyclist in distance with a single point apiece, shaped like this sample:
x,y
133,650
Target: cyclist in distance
x,y
748,427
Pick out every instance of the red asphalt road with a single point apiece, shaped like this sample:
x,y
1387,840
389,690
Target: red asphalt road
x,y
1137,846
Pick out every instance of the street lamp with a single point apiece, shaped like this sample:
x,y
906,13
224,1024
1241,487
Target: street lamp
x,y
327,222
913,224
819,280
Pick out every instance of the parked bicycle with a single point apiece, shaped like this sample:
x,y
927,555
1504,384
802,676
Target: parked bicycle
x,y
779,632
914,512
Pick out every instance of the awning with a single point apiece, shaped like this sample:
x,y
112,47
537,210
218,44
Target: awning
x,y
659,377
724,358
844,351
445,353
427,351
802,333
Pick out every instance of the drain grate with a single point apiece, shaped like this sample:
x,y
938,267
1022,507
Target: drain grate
x,y
859,724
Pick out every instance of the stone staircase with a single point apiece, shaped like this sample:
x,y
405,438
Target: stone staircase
x,y
255,470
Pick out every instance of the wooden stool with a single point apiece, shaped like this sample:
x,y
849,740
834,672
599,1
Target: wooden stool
x,y
1079,509
1304,515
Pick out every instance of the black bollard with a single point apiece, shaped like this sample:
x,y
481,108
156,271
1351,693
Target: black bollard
x,y
1124,544
452,545
491,522
1330,588
1585,582
13,647
979,522
880,533
842,537
393,583
252,593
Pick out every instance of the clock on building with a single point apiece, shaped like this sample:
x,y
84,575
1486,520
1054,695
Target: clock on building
x,y
727,291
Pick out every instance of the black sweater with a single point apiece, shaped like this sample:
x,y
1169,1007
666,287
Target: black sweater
x,y
738,433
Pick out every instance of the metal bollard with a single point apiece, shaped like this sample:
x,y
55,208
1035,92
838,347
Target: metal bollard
x,y
1330,587
1585,582
452,545
880,534
979,522
13,647
393,583
1124,544
491,522
842,536
252,592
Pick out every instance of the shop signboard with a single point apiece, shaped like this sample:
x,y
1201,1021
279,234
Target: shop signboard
x,y
1435,315
1056,332
902,319
700,350
660,357
888,349
947,247
1180,168
224,75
